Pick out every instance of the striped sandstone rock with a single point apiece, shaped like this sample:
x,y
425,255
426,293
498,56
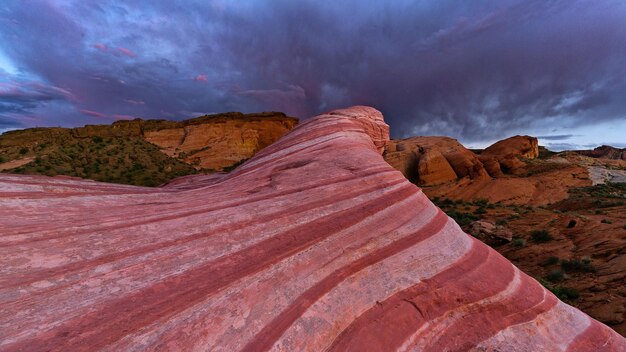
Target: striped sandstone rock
x,y
314,244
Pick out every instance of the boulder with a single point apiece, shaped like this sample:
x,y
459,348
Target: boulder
x,y
490,233
434,169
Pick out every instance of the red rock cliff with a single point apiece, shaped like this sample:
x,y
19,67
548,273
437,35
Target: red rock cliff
x,y
314,244
219,141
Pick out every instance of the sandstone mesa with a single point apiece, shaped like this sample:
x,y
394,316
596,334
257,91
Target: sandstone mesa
x,y
315,243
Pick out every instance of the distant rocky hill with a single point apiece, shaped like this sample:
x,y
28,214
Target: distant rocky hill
x,y
606,152
142,152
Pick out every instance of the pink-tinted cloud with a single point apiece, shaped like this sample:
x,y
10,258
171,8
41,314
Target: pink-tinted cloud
x,y
126,52
101,47
93,113
135,102
200,78
122,117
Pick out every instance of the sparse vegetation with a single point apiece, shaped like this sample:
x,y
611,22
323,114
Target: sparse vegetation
x,y
562,292
518,242
555,276
578,265
129,160
541,236
606,221
461,218
552,260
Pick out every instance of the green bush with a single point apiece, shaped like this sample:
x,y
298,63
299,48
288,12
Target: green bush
x,y
568,293
555,276
481,202
23,151
462,219
563,293
606,221
501,222
518,242
550,261
578,265
540,236
480,211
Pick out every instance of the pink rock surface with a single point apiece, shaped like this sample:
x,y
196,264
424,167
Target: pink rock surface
x,y
314,244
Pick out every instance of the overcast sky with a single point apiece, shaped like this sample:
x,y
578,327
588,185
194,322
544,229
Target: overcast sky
x,y
474,70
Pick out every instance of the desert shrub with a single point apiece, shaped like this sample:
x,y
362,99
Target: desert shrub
x,y
461,218
599,212
480,211
23,150
555,276
568,293
540,236
563,293
578,265
501,222
551,261
571,224
481,202
624,227
606,221
518,242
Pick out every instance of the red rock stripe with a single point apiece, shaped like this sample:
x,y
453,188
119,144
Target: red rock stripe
x,y
488,319
51,273
597,337
370,330
198,210
272,331
447,291
104,325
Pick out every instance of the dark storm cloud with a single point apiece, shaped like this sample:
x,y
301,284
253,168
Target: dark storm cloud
x,y
475,70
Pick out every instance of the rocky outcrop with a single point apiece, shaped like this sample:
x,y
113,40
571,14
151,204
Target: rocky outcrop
x,y
504,156
220,141
313,244
522,146
429,161
490,233
433,168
